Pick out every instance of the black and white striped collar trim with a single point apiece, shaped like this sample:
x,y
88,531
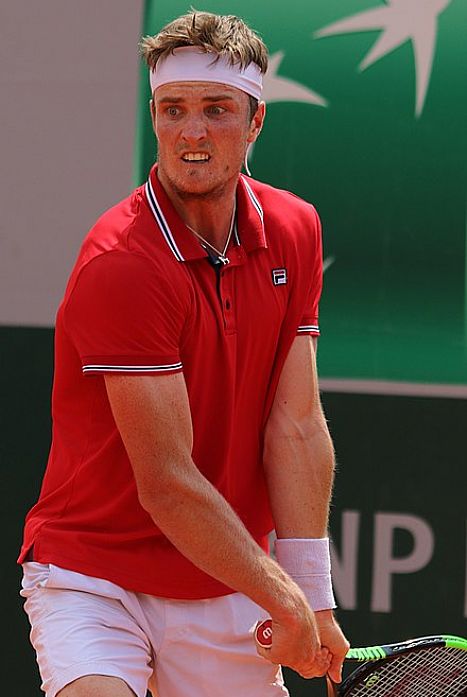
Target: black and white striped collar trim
x,y
235,232
254,200
164,227
161,221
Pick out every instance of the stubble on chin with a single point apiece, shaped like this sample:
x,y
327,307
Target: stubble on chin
x,y
213,193
187,189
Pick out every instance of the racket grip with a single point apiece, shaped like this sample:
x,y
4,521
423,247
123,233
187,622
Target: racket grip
x,y
332,688
263,634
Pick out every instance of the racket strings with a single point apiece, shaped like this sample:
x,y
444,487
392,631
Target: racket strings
x,y
434,672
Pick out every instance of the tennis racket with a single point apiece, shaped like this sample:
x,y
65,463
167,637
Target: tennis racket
x,y
432,666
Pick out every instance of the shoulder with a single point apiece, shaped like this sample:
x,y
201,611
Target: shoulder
x,y
116,228
285,214
280,206
123,245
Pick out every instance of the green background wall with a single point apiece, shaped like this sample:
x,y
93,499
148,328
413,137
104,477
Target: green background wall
x,y
386,169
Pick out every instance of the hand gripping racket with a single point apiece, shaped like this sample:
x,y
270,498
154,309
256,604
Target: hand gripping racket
x,y
432,666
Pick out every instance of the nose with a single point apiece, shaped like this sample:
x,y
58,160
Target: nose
x,y
194,128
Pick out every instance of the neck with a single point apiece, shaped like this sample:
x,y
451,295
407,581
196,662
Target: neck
x,y
209,214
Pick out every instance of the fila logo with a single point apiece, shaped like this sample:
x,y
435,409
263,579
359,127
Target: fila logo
x,y
279,277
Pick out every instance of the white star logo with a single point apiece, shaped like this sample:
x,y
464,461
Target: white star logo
x,y
400,21
281,89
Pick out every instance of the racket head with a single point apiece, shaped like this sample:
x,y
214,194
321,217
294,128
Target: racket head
x,y
424,667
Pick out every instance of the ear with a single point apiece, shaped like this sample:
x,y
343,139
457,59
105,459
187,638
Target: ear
x,y
257,123
152,109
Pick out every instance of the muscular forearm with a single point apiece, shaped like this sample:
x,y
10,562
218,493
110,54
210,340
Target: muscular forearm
x,y
299,468
153,418
204,528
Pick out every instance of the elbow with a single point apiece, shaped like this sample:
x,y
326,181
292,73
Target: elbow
x,y
300,441
150,498
163,489
156,490
305,428
161,504
147,500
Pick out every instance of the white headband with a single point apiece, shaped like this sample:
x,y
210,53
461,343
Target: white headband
x,y
190,64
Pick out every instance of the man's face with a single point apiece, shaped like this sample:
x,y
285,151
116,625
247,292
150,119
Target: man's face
x,y
203,129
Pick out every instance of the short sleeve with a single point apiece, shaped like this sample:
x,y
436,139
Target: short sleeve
x,y
124,317
309,323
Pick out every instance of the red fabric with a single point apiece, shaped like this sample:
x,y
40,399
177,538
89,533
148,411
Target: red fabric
x,y
130,305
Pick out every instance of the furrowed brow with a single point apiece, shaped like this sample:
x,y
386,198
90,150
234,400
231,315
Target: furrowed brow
x,y
213,98
218,98
169,100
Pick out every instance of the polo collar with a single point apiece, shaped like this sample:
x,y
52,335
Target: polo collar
x,y
248,231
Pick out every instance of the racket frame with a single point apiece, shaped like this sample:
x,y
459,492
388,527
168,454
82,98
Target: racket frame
x,y
371,657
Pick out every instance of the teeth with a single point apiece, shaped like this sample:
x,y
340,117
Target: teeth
x,y
195,156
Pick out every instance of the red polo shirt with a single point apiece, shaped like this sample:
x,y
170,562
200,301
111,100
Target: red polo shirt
x,y
143,299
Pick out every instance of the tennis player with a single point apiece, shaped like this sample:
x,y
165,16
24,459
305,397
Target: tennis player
x,y
186,415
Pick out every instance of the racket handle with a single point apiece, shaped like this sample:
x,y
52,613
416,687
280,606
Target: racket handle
x,y
332,687
263,634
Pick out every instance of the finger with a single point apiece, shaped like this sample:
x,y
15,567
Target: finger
x,y
268,654
317,668
315,672
265,653
335,669
323,654
323,664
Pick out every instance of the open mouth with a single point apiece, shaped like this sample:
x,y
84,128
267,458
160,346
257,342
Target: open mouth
x,y
196,157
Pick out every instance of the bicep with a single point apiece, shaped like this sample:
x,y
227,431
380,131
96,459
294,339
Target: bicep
x,y
153,417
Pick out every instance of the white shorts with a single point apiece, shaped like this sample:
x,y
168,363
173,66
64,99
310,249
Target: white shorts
x,y
175,648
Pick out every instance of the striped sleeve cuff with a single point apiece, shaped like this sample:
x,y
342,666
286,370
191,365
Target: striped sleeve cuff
x,y
312,329
95,368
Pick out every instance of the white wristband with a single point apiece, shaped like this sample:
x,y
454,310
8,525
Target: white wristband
x,y
308,562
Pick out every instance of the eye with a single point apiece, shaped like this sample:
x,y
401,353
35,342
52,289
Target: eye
x,y
173,111
216,110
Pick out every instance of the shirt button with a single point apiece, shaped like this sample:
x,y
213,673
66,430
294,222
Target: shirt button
x,y
227,304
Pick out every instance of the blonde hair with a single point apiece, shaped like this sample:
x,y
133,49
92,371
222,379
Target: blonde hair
x,y
224,35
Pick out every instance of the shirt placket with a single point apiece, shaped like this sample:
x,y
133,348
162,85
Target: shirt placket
x,y
226,289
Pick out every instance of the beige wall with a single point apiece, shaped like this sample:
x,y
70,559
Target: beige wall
x,y
68,76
